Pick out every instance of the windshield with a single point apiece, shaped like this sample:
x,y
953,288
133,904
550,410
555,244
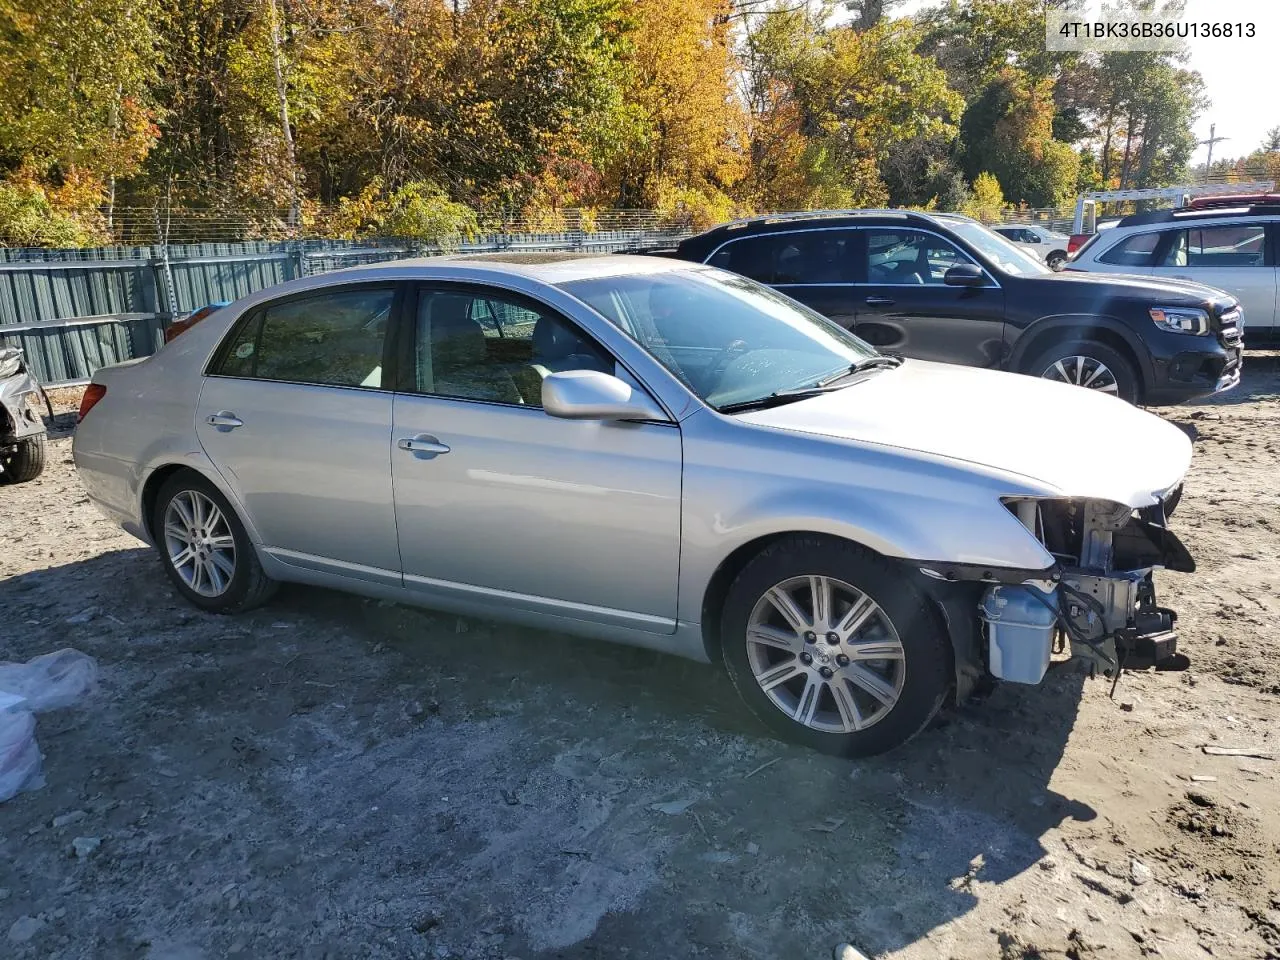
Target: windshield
x,y
727,338
1000,252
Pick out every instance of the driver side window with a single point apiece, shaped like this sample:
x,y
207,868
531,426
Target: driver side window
x,y
909,258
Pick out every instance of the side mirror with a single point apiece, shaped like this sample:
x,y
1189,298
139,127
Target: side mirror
x,y
965,275
592,395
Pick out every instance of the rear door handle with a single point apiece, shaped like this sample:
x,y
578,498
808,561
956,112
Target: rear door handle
x,y
224,420
423,446
879,301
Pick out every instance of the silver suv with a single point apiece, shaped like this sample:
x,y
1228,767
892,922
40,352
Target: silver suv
x,y
651,452
1231,246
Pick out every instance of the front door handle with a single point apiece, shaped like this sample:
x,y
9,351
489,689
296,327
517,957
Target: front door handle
x,y
879,301
224,420
423,446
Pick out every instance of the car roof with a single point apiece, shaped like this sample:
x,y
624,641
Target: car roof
x,y
768,223
558,267
1209,214
514,270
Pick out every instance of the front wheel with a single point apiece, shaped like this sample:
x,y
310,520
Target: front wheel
x,y
1089,364
204,547
26,460
831,647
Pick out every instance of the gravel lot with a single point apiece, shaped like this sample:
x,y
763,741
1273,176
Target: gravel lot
x,y
331,777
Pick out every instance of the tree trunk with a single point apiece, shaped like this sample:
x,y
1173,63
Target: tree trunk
x,y
1128,149
282,93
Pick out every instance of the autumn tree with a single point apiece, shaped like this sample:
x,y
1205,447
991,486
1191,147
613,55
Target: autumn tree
x,y
831,104
78,79
682,125
1008,131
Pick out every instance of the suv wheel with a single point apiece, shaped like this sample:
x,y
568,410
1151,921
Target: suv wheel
x,y
831,647
205,549
1090,364
1056,259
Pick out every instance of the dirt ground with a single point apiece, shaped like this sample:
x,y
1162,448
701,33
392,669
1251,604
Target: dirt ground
x,y
331,777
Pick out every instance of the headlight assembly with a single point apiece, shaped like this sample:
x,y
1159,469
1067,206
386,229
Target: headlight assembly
x,y
1190,320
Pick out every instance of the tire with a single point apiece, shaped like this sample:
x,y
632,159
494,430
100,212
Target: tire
x,y
1079,361
217,586
911,682
26,462
1056,260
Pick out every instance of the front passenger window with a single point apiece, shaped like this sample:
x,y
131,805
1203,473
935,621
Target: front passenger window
x,y
478,347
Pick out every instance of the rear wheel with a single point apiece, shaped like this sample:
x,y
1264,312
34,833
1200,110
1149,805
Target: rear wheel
x,y
831,647
26,460
1089,364
204,547
1056,260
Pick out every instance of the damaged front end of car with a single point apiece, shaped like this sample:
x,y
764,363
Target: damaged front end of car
x,y
1097,600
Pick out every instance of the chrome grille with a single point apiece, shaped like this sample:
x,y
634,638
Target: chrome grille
x,y
1229,326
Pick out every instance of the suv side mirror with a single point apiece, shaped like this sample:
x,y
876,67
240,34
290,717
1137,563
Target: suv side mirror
x,y
965,275
592,395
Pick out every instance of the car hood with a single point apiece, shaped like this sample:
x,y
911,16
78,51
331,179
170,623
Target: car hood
x,y
1113,285
1078,442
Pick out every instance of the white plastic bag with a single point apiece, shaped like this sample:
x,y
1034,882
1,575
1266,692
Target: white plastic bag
x,y
46,682
50,681
19,754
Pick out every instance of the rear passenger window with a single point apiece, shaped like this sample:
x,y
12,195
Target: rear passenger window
x,y
1134,251
334,339
1226,246
809,256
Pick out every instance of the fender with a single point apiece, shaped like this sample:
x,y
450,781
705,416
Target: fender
x,y
897,525
1062,323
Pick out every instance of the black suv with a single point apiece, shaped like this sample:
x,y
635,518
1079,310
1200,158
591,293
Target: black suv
x,y
943,287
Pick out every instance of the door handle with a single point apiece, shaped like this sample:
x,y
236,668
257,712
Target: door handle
x,y
224,420
879,301
423,446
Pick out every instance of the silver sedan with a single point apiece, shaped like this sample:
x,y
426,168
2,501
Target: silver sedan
x,y
655,453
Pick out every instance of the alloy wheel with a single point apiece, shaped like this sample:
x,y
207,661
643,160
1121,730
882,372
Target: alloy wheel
x,y
199,543
1083,372
825,654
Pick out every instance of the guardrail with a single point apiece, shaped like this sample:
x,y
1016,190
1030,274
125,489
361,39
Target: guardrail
x,y
73,311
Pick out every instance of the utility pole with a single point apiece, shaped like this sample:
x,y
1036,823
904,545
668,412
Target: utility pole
x,y
1208,161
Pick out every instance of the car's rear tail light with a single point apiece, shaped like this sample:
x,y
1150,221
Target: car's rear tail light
x,y
92,394
187,322
1077,241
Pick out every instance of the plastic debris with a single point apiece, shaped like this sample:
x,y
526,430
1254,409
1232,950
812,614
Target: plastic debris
x,y
19,754
50,681
847,951
44,683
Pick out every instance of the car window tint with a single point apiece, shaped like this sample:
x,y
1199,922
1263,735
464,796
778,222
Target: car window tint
x,y
810,256
1132,251
334,339
910,257
1238,245
488,347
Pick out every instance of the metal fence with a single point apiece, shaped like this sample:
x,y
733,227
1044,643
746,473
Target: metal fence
x,y
73,311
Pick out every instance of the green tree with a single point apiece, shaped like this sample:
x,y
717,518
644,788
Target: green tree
x,y
832,107
77,77
987,200
1008,131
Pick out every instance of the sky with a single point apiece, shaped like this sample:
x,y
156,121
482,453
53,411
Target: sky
x,y
1240,76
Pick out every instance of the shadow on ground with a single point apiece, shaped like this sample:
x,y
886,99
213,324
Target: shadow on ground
x,y
334,774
